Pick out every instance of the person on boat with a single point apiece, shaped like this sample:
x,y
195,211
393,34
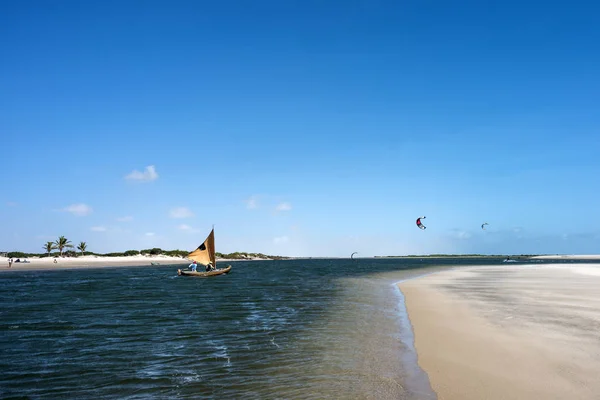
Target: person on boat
x,y
209,267
193,266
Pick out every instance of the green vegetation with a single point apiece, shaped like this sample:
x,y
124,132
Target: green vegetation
x,y
244,256
62,244
81,247
49,246
154,251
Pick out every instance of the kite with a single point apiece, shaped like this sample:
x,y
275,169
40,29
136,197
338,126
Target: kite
x,y
420,224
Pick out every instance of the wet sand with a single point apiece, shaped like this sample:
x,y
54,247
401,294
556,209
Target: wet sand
x,y
517,332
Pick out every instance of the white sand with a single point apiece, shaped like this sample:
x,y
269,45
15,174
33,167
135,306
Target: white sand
x,y
568,257
517,332
94,262
88,261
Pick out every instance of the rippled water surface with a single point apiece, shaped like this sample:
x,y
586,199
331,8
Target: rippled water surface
x,y
302,329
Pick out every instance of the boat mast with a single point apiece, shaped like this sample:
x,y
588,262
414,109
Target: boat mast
x,y
214,249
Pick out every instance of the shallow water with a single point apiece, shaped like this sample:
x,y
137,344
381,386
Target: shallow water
x,y
302,329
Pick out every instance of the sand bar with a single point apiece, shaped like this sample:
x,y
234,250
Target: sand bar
x,y
509,332
568,257
47,263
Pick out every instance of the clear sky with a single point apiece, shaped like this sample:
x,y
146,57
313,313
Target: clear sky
x,y
301,128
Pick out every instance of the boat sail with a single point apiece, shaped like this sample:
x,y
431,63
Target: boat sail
x,y
205,255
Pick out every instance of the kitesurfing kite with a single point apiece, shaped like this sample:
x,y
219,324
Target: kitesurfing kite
x,y
352,255
420,224
483,225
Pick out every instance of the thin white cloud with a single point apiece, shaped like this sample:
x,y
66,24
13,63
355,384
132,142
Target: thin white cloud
x,y
281,239
125,219
149,233
148,175
252,202
98,228
12,204
283,207
79,210
180,212
187,228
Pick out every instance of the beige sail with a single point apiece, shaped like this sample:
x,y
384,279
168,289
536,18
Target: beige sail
x,y
205,253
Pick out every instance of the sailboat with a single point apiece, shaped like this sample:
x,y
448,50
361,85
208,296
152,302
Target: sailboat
x,y
205,255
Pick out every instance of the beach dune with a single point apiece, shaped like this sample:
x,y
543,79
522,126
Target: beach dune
x,y
510,332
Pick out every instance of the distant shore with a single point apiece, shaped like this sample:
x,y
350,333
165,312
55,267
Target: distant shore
x,y
82,262
517,256
508,332
568,257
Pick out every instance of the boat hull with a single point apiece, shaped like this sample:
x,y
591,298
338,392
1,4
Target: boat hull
x,y
216,272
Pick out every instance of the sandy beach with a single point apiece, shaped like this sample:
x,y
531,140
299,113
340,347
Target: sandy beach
x,y
47,263
509,332
568,257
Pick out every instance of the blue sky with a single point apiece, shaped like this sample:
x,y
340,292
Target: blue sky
x,y
301,128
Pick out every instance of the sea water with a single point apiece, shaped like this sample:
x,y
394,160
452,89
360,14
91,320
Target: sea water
x,y
290,329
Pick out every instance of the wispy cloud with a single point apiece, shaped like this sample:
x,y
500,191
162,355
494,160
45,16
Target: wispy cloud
x,y
252,202
149,233
181,212
125,219
79,210
12,204
281,239
148,175
283,207
188,228
98,228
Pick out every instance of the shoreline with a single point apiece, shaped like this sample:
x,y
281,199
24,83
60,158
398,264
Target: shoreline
x,y
507,332
90,262
567,257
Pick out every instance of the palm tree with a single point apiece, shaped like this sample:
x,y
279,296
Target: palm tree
x,y
49,246
82,246
62,243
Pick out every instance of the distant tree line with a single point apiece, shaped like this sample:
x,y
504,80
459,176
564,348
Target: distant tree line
x,y
242,256
64,247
